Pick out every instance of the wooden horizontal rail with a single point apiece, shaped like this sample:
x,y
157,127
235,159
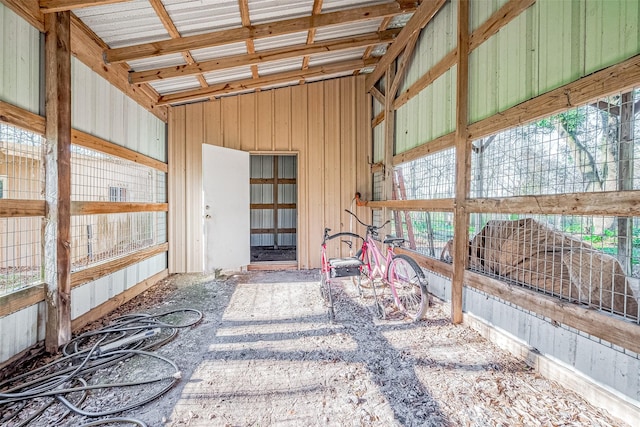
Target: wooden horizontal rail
x,y
433,205
441,143
97,271
23,298
377,167
616,331
95,208
432,264
94,143
19,117
272,230
622,203
21,208
272,206
116,301
272,181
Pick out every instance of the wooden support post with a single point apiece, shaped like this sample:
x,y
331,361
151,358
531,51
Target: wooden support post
x,y
625,179
57,250
389,138
463,165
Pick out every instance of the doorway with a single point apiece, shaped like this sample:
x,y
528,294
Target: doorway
x,y
273,208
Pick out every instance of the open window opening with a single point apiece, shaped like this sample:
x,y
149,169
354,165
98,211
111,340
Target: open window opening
x,y
273,208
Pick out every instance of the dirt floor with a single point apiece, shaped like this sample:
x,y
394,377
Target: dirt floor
x,y
265,355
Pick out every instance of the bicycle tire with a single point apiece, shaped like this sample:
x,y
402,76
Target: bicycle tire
x,y
327,296
410,285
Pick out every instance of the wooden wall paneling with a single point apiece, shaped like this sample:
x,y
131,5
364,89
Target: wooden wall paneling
x,y
315,191
247,116
57,248
347,161
282,119
299,144
176,194
265,121
193,191
230,122
332,142
213,123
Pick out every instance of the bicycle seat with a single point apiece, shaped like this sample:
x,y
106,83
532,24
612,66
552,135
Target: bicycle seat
x,y
345,262
391,240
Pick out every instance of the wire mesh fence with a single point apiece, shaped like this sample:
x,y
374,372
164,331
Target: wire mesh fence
x,y
22,178
99,238
586,149
430,177
564,256
96,176
21,167
428,233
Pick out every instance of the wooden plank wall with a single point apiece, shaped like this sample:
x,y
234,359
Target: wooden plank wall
x,y
325,124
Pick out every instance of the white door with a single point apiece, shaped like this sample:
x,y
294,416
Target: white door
x,y
225,196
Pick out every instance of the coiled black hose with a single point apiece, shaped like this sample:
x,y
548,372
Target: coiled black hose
x,y
127,336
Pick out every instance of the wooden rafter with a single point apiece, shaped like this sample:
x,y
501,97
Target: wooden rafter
x,y
246,21
367,53
168,24
249,84
234,35
425,12
263,56
50,6
503,16
402,66
311,34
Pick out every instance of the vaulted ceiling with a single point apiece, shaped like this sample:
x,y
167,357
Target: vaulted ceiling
x,y
182,51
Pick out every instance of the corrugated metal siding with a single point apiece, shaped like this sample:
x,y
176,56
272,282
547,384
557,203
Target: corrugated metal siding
x,y
102,110
429,115
481,11
19,61
550,44
437,39
502,71
378,143
21,330
88,296
613,32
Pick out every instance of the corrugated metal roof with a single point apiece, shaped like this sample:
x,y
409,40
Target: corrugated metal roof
x,y
124,24
136,24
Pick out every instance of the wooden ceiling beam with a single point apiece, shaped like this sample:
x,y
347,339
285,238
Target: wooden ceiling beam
x,y
245,18
425,12
270,29
250,84
50,6
263,56
311,34
168,24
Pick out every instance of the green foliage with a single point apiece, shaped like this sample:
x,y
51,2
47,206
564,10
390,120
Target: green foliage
x,y
570,120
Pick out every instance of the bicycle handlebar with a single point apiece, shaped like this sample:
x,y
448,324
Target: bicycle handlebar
x,y
340,234
372,228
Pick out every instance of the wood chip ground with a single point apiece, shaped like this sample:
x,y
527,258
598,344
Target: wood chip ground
x,y
265,355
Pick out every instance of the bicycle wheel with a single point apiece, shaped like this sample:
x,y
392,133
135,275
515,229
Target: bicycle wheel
x,y
325,291
409,285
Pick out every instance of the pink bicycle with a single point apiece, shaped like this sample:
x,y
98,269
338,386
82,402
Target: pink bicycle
x,y
399,272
